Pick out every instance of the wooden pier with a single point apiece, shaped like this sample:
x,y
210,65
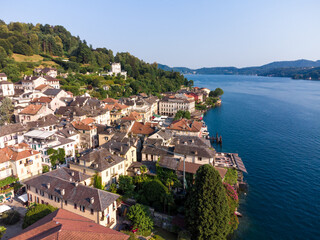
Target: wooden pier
x,y
217,139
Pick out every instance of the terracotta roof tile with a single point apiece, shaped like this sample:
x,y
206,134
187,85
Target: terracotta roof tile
x,y
42,100
144,128
186,125
65,225
31,109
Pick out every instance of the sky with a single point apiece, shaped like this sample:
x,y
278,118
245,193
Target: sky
x,y
194,34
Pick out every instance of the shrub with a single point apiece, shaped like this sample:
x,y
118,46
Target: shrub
x,y
139,215
35,213
10,217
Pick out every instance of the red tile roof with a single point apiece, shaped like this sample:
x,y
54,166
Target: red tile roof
x,y
42,100
87,121
193,168
31,109
133,116
65,225
82,126
186,125
143,128
110,100
10,153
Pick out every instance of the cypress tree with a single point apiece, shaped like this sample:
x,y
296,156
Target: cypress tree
x,y
207,211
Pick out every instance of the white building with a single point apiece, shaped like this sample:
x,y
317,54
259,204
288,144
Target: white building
x,y
116,69
169,106
43,140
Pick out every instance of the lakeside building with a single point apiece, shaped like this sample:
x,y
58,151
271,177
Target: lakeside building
x,y
170,105
97,205
65,225
186,127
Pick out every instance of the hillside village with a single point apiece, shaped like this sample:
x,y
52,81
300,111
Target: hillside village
x,y
57,144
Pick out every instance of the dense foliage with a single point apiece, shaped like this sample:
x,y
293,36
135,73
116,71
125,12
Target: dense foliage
x,y
140,217
231,176
6,111
7,181
97,181
155,194
56,156
216,93
71,54
126,186
182,114
2,231
35,213
207,211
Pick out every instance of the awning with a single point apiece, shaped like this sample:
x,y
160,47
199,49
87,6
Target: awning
x,y
23,197
4,208
8,194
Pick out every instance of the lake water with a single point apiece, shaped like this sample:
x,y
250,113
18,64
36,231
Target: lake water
x,y
274,125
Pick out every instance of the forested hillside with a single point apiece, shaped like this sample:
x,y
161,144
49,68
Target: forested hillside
x,y
24,46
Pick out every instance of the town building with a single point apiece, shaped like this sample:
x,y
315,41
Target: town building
x,y
170,105
20,161
3,77
6,88
32,113
42,141
88,134
107,164
97,205
186,127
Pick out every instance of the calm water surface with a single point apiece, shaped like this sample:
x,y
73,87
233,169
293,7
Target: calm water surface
x,y
274,125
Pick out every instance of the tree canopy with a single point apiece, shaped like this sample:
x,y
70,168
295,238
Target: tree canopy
x,y
207,211
216,93
139,215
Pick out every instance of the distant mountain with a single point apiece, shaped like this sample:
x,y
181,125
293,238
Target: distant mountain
x,y
298,69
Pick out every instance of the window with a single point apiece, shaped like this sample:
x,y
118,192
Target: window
x,y
66,202
58,200
37,200
36,190
82,208
51,197
92,211
75,206
107,173
200,159
30,197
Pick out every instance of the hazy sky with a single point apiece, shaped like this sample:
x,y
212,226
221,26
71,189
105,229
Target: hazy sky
x,y
185,33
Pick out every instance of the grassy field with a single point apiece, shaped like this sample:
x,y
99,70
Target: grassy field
x,y
23,58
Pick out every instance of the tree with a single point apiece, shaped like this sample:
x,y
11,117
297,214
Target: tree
x,y
45,169
126,185
35,213
207,211
155,194
140,217
113,188
97,181
6,110
231,176
216,93
22,48
143,169
182,114
56,156
12,71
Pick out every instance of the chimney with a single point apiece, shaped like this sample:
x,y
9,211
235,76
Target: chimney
x,y
192,140
195,152
178,141
48,185
92,200
70,179
72,174
62,192
75,184
121,148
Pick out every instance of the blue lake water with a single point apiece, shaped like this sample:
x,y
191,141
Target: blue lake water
x,y
274,125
